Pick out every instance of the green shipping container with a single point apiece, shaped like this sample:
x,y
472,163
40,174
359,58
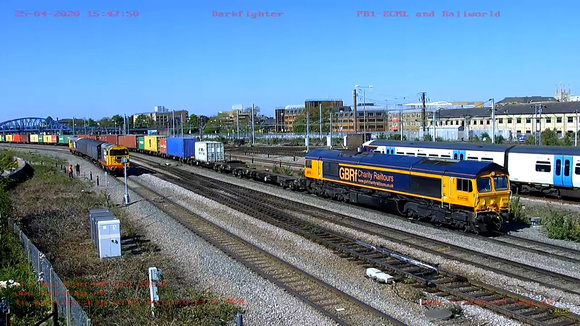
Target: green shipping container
x,y
63,139
41,138
1,138
142,143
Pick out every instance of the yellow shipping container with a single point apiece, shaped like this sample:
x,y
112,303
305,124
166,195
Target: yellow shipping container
x,y
47,139
34,138
151,143
9,138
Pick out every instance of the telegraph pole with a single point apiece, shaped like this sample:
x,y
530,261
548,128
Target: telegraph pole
x,y
540,131
253,132
355,116
576,138
307,132
423,112
238,124
493,120
320,109
331,114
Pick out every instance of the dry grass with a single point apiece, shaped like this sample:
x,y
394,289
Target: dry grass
x,y
53,211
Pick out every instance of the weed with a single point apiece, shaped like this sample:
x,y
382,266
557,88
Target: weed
x,y
519,211
562,225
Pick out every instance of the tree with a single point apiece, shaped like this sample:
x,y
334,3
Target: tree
x,y
193,123
49,118
550,137
117,119
143,121
91,122
105,122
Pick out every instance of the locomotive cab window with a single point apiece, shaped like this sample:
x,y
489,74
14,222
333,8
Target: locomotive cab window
x,y
484,184
501,183
117,152
464,185
309,164
543,166
330,169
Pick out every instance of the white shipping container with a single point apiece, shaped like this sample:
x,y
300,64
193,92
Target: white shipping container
x,y
209,151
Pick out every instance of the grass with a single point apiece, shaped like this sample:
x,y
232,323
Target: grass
x,y
53,212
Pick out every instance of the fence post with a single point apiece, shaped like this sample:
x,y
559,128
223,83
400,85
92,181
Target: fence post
x,y
97,180
28,248
54,313
89,322
51,290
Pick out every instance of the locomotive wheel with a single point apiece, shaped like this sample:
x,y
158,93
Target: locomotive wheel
x,y
497,223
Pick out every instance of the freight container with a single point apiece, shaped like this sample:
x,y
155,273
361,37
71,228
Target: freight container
x,y
151,143
25,139
2,138
142,143
9,138
49,139
34,139
16,138
40,139
111,139
63,139
129,141
163,145
181,147
209,151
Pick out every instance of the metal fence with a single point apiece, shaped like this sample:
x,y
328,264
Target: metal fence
x,y
48,281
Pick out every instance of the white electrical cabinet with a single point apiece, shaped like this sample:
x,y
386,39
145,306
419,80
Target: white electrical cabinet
x,y
105,233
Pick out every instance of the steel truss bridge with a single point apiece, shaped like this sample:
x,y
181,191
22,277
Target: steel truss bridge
x,y
32,125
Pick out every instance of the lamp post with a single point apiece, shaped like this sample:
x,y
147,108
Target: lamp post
x,y
364,109
492,120
126,198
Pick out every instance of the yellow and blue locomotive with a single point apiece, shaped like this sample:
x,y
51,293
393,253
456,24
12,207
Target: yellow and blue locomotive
x,y
474,196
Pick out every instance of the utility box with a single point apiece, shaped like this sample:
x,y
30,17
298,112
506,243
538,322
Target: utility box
x,y
209,151
105,233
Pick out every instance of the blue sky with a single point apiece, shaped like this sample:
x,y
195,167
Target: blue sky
x,y
177,54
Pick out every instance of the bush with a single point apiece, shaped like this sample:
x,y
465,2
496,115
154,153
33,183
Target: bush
x,y
518,211
562,225
7,160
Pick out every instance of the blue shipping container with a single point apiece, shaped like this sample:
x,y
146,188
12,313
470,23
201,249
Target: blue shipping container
x,y
181,147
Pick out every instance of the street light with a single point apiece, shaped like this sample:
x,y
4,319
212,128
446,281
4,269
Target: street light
x,y
125,160
364,109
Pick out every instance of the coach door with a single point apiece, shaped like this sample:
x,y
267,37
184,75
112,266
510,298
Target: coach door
x,y
459,155
563,171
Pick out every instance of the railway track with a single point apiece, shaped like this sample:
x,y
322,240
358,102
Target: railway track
x,y
433,279
337,305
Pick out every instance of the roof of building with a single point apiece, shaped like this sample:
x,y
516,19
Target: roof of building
x,y
511,109
526,99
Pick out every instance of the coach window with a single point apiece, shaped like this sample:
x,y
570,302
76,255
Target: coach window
x,y
558,167
577,170
464,185
543,166
501,183
309,164
484,184
566,168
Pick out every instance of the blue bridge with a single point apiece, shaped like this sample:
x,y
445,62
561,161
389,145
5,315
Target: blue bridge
x,y
32,125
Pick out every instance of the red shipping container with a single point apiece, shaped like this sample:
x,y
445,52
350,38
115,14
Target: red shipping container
x,y
111,139
16,139
129,141
54,139
25,139
163,145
